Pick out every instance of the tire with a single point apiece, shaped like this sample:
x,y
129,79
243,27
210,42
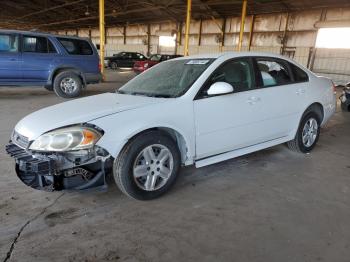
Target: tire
x,y
133,158
114,66
49,87
297,143
67,84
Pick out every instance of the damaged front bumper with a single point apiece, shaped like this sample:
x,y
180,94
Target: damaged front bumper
x,y
76,170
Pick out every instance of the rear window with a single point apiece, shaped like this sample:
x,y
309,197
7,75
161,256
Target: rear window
x,y
76,46
299,74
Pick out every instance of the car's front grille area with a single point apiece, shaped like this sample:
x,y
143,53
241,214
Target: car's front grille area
x,y
19,140
28,163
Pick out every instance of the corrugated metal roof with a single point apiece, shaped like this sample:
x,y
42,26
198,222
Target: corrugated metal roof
x,y
62,14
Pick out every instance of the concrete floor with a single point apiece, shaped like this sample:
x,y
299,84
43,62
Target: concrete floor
x,y
273,205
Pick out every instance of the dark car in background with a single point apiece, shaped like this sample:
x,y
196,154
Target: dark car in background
x,y
345,98
141,66
60,63
124,59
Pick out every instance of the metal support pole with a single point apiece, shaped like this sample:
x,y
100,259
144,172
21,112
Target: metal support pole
x,y
244,13
124,35
223,29
284,36
200,32
148,40
251,32
187,31
102,36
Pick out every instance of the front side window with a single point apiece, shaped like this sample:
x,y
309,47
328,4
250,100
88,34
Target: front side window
x,y
171,79
238,73
273,72
8,43
76,46
37,44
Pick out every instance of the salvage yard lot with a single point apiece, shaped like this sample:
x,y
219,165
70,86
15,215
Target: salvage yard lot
x,y
273,205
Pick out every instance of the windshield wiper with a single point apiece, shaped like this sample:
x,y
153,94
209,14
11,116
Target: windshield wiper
x,y
145,94
162,96
149,95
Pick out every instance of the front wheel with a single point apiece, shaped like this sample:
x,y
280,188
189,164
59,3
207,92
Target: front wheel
x,y
307,135
114,65
148,166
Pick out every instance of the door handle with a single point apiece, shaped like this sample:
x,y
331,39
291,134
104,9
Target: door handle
x,y
253,100
300,91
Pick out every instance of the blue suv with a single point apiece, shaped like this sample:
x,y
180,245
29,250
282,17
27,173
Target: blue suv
x,y
63,64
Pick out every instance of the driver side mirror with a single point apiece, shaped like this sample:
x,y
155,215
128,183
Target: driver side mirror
x,y
220,88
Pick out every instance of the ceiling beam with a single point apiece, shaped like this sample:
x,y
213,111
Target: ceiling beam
x,y
49,9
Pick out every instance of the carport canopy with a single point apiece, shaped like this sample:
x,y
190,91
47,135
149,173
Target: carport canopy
x,y
48,15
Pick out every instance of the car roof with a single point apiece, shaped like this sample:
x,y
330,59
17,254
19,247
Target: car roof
x,y
39,33
232,54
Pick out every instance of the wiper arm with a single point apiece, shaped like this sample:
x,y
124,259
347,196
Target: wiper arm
x,y
145,94
162,96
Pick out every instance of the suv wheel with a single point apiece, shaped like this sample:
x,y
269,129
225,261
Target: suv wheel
x,y
67,84
307,135
114,65
148,166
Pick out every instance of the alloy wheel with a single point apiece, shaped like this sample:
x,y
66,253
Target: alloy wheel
x,y
310,132
153,167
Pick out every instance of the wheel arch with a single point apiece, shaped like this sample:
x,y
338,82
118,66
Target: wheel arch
x,y
182,143
316,108
68,68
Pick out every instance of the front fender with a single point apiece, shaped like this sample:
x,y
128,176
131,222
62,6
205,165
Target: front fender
x,y
121,127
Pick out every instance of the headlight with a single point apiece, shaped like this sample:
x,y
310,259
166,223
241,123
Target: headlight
x,y
67,139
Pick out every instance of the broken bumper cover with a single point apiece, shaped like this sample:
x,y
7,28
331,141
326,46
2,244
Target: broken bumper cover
x,y
64,171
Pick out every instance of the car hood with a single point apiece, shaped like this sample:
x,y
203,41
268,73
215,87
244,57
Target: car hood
x,y
79,111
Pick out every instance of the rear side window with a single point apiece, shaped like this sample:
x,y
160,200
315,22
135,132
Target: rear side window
x,y
137,56
273,72
8,43
76,46
299,74
37,44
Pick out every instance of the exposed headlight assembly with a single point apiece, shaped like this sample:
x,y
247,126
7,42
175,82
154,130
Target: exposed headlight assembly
x,y
67,139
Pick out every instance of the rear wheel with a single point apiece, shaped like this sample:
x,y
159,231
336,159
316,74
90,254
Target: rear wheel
x,y
307,135
67,84
147,167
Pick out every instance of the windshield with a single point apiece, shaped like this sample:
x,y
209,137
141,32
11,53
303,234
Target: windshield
x,y
169,79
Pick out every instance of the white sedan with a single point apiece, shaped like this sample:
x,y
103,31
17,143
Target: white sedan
x,y
193,110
